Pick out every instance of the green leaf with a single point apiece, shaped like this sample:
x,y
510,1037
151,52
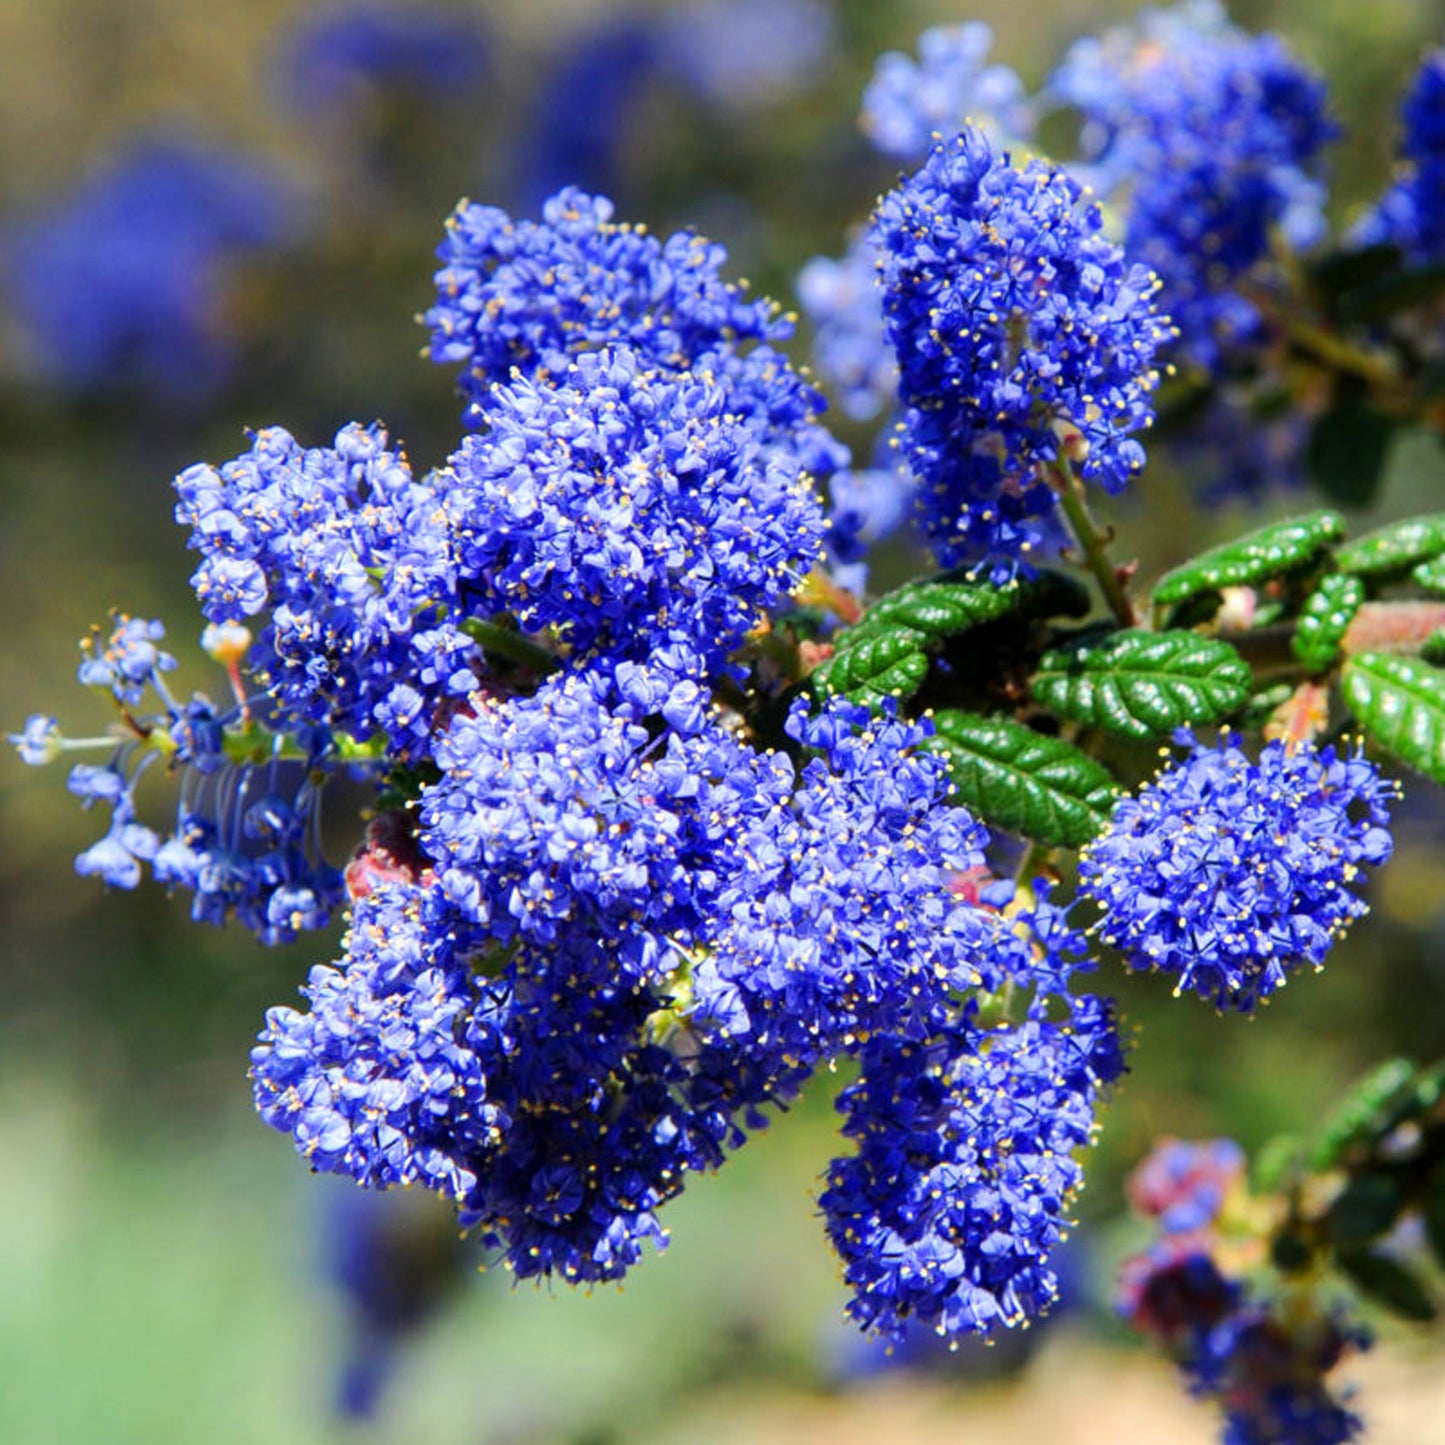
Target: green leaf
x,y
939,606
1431,575
1324,620
1389,1283
1394,549
1355,1119
1143,684
1400,703
1346,452
1275,1162
886,653
1364,1209
1019,780
1283,547
884,664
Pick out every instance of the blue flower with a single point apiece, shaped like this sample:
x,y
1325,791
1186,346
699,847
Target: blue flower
x,y
1022,337
628,509
123,283
39,742
909,104
563,810
377,1079
1209,140
129,662
1411,214
578,117
1184,1185
1228,873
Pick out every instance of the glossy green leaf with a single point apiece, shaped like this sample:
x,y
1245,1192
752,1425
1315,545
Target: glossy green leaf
x,y
1355,1119
1324,619
884,664
1388,1283
1399,702
1431,575
1270,552
935,608
1347,449
932,610
1022,781
1274,1162
1143,684
1394,549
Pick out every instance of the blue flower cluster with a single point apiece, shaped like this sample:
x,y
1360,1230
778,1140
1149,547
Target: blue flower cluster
x,y
628,509
960,1187
1023,339
1228,873
122,285
246,838
1209,139
909,104
605,915
528,296
1411,214
349,553
1265,1366
631,932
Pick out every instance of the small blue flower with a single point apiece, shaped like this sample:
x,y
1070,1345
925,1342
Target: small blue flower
x,y
39,742
129,661
628,509
1228,873
528,297
947,1214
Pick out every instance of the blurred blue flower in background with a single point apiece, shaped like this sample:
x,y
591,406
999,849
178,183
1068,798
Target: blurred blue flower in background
x,y
745,52
580,111
122,284
345,52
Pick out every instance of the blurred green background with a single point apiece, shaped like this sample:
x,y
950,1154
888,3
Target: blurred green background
x,y
161,1274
